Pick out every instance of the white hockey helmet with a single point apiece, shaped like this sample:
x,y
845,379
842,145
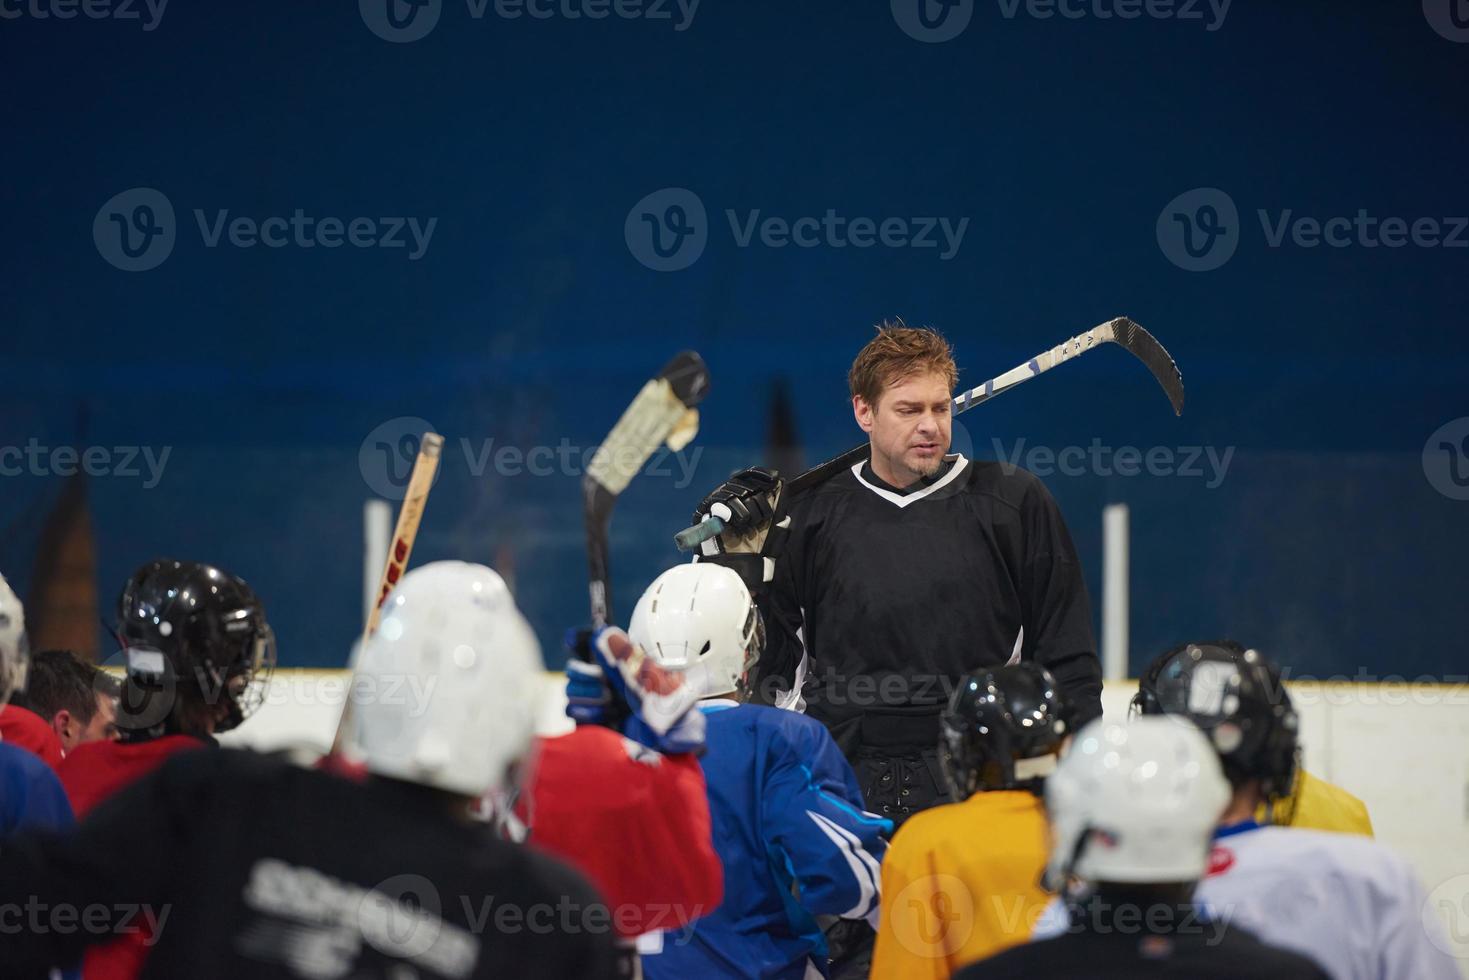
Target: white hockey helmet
x,y
14,653
1135,803
700,619
450,683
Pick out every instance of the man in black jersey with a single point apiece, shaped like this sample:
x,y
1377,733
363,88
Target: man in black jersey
x,y
898,577
244,865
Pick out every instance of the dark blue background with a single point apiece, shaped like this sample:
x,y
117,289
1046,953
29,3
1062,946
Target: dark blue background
x,y
529,320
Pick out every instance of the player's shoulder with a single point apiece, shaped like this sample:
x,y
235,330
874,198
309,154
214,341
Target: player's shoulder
x,y
790,728
24,768
1345,856
1247,952
1001,813
1013,485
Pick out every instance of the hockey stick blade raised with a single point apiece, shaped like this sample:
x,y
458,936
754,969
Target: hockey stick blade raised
x,y
661,413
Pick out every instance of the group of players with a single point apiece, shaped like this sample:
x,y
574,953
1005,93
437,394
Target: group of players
x,y
696,822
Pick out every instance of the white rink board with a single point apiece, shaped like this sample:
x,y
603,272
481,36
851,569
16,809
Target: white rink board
x,y
1402,748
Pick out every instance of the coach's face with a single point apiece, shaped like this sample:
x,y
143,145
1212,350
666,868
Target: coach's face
x,y
908,427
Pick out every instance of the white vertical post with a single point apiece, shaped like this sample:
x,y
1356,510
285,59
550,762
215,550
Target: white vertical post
x,y
1114,592
377,527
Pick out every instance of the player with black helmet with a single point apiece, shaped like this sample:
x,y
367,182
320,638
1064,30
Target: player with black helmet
x,y
961,881
1237,699
1295,798
197,653
1345,901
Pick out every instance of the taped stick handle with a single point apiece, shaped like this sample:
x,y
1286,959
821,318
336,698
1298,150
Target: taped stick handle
x,y
691,537
410,515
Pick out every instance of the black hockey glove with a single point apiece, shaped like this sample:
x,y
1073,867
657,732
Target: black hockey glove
x,y
744,501
749,504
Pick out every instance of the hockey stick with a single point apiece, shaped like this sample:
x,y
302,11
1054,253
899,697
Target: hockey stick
x,y
1121,331
663,412
410,515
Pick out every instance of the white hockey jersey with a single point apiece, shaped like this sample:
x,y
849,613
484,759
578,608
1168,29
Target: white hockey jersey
x,y
1346,901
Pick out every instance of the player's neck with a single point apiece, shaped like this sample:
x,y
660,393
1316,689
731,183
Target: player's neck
x,y
1242,805
900,478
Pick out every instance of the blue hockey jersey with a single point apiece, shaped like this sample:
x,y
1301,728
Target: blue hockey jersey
x,y
30,794
795,843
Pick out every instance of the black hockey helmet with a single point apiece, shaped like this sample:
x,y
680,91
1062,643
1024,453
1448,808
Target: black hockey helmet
x,y
1238,699
1001,730
192,635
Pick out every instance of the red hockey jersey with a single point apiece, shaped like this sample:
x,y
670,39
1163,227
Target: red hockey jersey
x,y
633,821
27,730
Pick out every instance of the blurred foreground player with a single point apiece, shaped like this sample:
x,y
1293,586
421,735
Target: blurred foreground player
x,y
789,824
270,870
1347,902
963,880
898,577
1132,808
1300,799
621,798
30,794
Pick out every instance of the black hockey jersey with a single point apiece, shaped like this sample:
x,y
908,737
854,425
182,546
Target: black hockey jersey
x,y
893,595
247,866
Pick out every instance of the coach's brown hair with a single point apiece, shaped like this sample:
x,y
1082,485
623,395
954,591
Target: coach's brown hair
x,y
897,352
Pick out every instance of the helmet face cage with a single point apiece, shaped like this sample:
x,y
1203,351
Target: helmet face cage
x,y
247,681
752,638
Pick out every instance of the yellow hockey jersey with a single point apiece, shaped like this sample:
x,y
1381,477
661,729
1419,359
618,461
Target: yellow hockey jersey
x,y
959,883
1316,804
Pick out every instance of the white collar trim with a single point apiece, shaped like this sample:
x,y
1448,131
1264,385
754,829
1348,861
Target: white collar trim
x,y
904,499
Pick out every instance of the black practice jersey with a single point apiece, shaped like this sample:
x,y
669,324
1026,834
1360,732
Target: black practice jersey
x,y
251,867
893,595
1200,953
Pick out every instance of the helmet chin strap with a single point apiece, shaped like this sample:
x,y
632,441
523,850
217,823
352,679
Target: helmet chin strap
x,y
1054,878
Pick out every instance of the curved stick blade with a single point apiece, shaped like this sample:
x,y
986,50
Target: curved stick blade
x,y
1145,347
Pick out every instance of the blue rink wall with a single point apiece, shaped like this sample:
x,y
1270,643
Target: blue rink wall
x,y
1341,565
533,315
